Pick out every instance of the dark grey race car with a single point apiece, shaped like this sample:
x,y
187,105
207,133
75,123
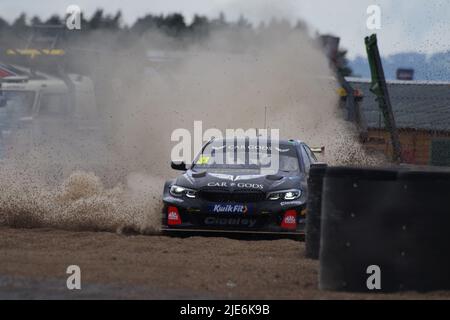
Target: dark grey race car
x,y
247,196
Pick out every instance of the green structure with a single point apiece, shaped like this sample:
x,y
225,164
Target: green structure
x,y
379,88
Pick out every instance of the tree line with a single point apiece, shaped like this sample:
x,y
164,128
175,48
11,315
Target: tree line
x,y
173,25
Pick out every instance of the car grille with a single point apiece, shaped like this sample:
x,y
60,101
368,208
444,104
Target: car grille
x,y
227,196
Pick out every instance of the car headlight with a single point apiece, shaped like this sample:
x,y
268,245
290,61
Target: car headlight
x,y
284,194
178,191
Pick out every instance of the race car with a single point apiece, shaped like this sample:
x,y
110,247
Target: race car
x,y
241,185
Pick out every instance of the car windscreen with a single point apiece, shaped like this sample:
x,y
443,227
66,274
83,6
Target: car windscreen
x,y
247,157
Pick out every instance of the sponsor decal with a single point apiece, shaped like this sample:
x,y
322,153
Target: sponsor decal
x,y
248,177
289,220
236,178
249,185
254,147
249,147
222,176
228,208
172,199
173,217
230,221
244,185
291,203
244,147
217,184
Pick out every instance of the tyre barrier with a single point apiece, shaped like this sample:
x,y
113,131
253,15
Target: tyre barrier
x,y
396,220
314,203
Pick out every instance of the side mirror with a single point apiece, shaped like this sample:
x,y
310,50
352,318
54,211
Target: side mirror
x,y
178,165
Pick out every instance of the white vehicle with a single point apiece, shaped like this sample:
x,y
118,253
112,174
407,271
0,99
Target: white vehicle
x,y
54,118
42,94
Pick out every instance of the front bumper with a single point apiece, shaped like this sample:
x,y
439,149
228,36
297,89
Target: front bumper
x,y
263,217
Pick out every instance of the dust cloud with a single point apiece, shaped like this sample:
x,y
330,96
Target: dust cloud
x,y
277,78
274,78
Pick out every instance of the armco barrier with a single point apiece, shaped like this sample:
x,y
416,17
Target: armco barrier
x,y
312,237
396,220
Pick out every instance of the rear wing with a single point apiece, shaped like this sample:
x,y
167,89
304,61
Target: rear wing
x,y
33,53
318,149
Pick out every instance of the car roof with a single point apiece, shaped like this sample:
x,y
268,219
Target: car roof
x,y
259,140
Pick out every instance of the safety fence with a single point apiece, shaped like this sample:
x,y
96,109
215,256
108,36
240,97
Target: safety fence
x,y
390,221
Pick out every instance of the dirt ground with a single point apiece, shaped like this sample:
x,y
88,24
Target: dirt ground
x,y
33,265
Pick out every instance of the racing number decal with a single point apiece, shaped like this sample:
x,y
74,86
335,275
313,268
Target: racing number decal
x,y
203,160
